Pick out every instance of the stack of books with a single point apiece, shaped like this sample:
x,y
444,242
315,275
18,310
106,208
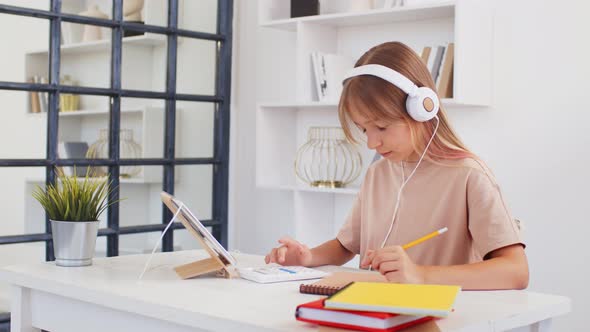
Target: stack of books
x,y
380,306
439,60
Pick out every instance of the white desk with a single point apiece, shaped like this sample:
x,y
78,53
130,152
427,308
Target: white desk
x,y
107,297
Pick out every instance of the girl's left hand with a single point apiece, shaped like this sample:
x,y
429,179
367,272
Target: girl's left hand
x,y
395,265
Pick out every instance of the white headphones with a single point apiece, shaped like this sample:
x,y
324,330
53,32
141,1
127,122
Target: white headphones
x,y
422,103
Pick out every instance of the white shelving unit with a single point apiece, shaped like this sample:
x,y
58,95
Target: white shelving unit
x,y
145,122
104,45
282,124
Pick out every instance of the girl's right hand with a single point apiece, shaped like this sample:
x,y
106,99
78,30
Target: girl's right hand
x,y
290,252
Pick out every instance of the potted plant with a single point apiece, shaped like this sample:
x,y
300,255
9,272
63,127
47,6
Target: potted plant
x,y
74,205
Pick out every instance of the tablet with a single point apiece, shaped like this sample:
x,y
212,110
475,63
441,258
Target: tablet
x,y
191,222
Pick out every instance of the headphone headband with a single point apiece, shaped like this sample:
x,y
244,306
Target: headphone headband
x,y
422,103
387,74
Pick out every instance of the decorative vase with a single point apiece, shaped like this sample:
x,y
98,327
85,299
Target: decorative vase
x,y
327,160
129,149
132,14
93,32
74,242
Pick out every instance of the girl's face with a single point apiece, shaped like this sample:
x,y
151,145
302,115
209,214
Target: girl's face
x,y
391,140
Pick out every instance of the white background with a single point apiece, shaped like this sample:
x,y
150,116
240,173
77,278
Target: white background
x,y
534,137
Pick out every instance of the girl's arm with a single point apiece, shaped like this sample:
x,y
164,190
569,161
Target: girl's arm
x,y
331,252
292,252
504,268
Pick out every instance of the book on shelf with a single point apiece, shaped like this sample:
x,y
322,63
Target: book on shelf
x,y
316,313
405,299
42,96
329,71
444,82
425,54
73,150
34,98
434,61
338,280
439,61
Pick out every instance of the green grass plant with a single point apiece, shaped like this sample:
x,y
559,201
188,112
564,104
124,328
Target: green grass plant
x,y
74,198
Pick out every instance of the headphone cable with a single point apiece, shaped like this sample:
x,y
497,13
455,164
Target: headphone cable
x,y
405,181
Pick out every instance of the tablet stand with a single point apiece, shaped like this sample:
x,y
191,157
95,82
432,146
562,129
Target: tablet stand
x,y
213,264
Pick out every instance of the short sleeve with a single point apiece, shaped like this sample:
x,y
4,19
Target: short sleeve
x,y
490,223
350,233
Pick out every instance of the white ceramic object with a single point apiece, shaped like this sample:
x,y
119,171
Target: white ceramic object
x,y
132,10
93,32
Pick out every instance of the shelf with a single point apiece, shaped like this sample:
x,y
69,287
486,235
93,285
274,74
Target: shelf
x,y
82,113
343,191
136,180
149,40
447,102
373,17
311,104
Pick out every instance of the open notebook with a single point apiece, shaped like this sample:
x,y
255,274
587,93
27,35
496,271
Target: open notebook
x,y
338,280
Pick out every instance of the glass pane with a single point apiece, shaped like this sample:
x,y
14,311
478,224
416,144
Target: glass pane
x,y
92,8
35,4
194,129
151,12
194,187
26,49
23,134
198,15
86,62
144,120
25,215
144,63
197,65
141,203
84,38
83,131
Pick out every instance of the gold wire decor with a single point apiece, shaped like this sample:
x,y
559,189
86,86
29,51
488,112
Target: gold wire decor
x,y
327,159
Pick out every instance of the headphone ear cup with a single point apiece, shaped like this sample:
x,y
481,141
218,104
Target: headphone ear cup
x,y
423,105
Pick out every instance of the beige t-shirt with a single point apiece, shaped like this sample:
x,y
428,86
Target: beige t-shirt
x,y
461,195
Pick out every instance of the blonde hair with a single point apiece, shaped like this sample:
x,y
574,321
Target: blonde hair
x,y
376,99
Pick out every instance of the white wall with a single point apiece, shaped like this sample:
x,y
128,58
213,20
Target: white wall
x,y
19,136
534,137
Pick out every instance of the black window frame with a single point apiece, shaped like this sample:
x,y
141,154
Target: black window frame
x,y
221,100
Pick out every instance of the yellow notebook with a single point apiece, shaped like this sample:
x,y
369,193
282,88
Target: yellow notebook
x,y
406,299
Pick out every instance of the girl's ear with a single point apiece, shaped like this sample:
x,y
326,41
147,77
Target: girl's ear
x,y
423,104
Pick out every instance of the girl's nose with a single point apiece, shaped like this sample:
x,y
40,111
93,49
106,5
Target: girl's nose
x,y
373,141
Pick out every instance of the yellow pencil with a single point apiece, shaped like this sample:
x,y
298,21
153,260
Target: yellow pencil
x,y
424,238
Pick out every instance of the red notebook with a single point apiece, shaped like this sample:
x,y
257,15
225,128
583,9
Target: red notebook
x,y
314,312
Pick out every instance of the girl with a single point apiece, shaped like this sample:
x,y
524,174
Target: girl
x,y
426,180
